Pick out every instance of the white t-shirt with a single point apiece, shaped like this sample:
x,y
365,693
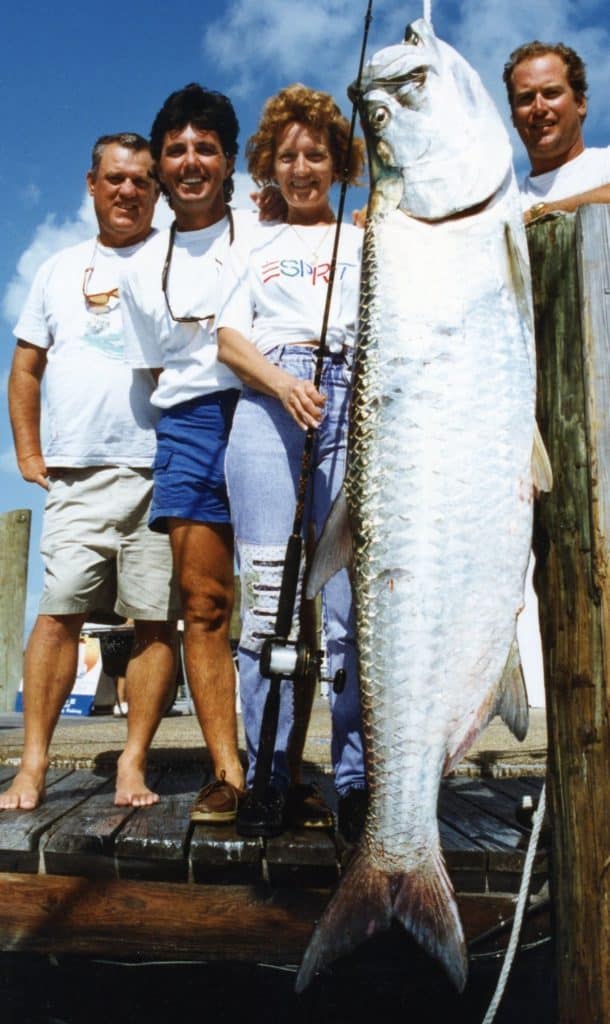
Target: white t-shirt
x,y
588,170
98,409
187,353
273,290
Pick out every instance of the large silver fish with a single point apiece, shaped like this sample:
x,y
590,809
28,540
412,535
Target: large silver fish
x,y
436,513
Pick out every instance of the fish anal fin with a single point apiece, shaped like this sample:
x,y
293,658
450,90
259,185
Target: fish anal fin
x,y
542,472
367,901
334,550
508,700
512,706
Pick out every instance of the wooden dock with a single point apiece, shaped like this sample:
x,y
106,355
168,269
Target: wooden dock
x,y
80,875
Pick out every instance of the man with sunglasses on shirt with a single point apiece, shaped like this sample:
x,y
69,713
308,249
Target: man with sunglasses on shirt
x,y
97,549
169,296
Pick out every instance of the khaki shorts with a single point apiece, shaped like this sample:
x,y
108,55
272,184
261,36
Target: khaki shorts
x,y
98,552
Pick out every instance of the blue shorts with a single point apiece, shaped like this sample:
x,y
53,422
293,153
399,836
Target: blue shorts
x,y
189,468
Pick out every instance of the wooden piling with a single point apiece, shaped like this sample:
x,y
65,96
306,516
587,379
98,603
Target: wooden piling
x,y
14,541
571,277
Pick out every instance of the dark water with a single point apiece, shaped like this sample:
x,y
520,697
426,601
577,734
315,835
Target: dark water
x,y
71,990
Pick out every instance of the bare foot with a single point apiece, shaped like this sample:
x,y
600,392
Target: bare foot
x,y
26,791
131,788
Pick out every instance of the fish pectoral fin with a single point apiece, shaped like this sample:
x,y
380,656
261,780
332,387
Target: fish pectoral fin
x,y
542,472
512,705
367,901
520,274
360,907
334,550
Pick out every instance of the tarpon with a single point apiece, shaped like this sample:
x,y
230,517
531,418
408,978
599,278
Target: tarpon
x,y
435,517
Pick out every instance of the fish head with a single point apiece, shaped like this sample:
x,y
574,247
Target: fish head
x,y
436,142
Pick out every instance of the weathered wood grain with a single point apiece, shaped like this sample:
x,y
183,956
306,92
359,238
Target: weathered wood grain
x,y
218,855
569,257
153,842
83,841
20,831
163,920
302,857
14,541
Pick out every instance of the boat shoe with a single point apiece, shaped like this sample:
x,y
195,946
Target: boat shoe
x,y
306,808
217,802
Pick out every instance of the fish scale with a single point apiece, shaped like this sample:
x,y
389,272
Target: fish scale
x,y
438,490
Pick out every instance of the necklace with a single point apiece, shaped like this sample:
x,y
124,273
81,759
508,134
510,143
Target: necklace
x,y
318,249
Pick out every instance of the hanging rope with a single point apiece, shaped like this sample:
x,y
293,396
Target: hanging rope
x,y
511,949
427,11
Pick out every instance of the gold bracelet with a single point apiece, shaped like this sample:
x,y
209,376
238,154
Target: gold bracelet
x,y
537,210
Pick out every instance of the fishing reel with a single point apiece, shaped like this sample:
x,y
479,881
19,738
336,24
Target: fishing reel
x,y
285,658
288,659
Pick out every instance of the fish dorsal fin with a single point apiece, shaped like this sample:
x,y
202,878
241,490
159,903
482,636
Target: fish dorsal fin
x,y
334,550
542,472
512,704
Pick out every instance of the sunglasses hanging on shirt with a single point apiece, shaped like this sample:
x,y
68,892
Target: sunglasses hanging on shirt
x,y
100,301
187,319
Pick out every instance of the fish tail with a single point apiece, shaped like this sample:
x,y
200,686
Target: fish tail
x,y
367,901
425,905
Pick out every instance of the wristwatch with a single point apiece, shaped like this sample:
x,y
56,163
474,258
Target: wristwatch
x,y
537,210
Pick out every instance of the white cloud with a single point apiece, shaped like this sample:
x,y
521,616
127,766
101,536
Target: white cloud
x,y
320,44
49,237
485,34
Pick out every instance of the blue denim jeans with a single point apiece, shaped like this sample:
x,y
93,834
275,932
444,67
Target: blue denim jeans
x,y
263,465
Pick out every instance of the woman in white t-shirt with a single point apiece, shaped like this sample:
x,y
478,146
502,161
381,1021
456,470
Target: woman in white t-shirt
x,y
273,294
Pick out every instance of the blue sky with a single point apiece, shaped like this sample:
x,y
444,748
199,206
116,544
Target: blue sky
x,y
73,71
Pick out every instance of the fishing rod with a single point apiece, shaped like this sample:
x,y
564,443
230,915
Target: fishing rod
x,y
282,658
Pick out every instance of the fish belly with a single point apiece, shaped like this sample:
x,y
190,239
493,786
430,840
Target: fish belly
x,y
440,502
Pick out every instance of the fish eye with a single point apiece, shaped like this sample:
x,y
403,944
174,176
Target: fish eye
x,y
379,117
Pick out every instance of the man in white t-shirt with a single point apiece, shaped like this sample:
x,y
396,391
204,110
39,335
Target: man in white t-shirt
x,y
547,88
169,297
97,549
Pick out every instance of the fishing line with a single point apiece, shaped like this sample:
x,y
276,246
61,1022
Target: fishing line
x,y
292,559
511,949
310,435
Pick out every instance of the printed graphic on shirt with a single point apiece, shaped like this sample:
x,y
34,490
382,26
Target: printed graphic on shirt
x,y
289,267
103,330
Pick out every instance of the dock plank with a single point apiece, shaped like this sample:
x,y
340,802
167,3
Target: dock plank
x,y
7,772
466,860
83,842
20,831
302,857
218,856
153,842
492,818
